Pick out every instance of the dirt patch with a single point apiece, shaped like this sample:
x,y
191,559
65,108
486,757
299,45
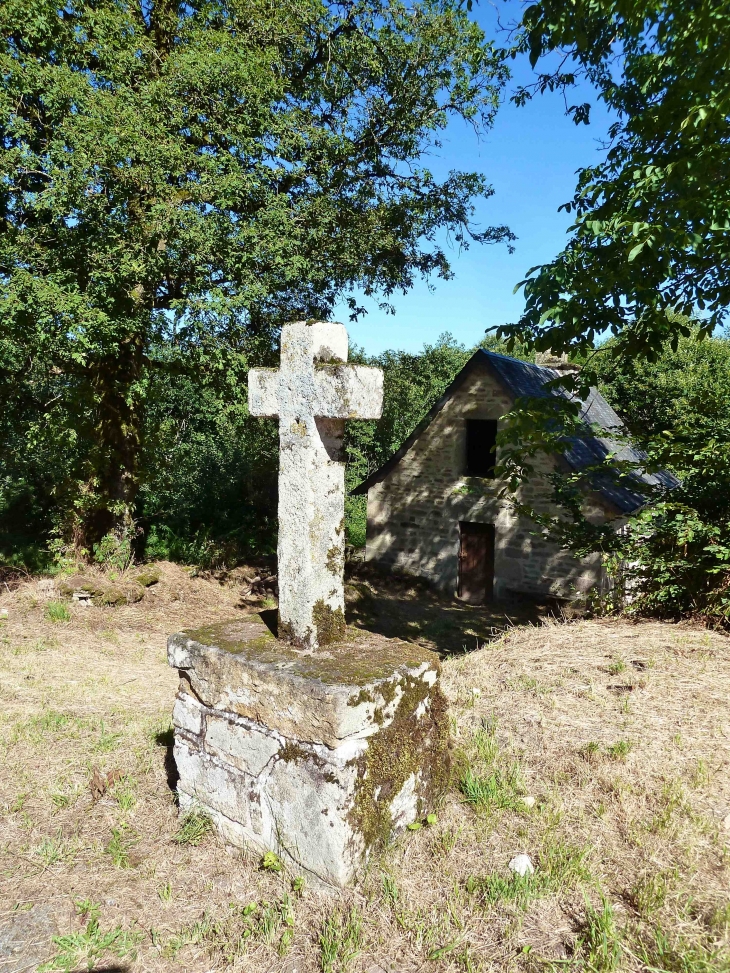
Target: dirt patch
x,y
601,750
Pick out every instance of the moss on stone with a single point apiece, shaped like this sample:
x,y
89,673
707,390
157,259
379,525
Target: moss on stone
x,y
329,623
257,641
364,696
388,691
292,752
284,629
408,745
352,662
104,593
147,576
113,595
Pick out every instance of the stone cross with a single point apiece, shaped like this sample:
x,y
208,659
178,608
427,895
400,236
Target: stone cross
x,y
313,393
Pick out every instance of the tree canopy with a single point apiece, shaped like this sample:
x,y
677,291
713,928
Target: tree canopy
x,y
650,243
177,179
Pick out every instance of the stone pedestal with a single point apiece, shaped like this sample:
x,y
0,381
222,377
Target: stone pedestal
x,y
319,757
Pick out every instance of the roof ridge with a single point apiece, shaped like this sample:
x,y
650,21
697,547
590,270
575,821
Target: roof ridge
x,y
596,413
520,361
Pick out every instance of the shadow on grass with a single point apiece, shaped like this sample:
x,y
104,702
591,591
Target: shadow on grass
x,y
104,968
166,739
405,608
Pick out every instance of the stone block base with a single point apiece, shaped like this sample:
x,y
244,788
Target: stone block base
x,y
320,757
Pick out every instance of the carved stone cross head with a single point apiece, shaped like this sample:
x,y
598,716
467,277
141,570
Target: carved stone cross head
x,y
313,393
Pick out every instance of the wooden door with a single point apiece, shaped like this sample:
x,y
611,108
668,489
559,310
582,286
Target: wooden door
x,y
476,562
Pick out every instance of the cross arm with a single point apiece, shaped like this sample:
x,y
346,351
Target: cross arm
x,y
349,392
263,391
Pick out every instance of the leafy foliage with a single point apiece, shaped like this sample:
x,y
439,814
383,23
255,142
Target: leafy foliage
x,y
177,180
649,245
676,553
646,265
672,557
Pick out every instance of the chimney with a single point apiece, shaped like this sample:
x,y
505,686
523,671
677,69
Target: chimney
x,y
558,363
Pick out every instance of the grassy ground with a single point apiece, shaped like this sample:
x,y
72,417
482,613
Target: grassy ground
x,y
600,749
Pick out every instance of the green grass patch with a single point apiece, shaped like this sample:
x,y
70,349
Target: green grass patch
x,y
57,611
593,751
619,750
125,793
82,950
194,826
490,781
340,940
599,944
120,845
500,790
675,954
53,850
229,936
559,869
649,892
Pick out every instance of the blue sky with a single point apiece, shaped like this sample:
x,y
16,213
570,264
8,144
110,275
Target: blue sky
x,y
530,157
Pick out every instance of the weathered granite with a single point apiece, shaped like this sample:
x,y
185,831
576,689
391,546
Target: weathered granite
x,y
313,395
321,756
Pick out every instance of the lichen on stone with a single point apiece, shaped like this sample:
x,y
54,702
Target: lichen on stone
x,y
335,559
409,745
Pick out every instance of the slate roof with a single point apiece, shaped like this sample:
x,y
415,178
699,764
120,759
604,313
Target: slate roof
x,y
521,378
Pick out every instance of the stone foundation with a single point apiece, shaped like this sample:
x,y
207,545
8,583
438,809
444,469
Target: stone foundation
x,y
320,757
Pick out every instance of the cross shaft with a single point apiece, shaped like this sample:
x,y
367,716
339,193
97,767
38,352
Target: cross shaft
x,y
313,393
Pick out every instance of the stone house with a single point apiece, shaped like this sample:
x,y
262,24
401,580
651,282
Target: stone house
x,y
433,509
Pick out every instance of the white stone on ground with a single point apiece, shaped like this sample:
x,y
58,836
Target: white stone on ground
x,y
522,865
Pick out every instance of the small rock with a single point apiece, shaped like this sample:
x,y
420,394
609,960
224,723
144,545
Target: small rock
x,y
25,938
522,865
475,691
295,964
528,801
3,613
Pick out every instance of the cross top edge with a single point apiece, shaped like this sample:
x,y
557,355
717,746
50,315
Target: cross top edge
x,y
306,342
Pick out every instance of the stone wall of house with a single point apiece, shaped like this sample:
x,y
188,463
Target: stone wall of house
x,y
414,512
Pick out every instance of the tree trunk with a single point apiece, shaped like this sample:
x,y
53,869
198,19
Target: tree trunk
x,y
114,480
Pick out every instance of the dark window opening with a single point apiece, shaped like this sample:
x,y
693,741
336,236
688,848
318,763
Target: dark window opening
x,y
481,447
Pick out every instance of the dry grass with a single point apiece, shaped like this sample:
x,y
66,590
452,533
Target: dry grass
x,y
599,749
